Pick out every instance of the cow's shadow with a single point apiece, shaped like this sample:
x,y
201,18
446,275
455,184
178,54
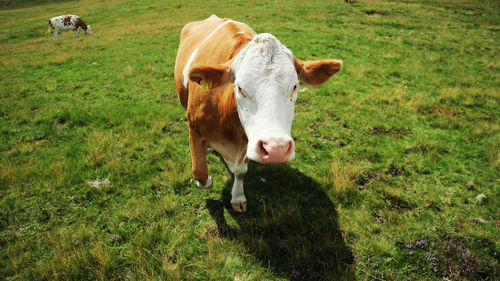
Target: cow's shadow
x,y
290,225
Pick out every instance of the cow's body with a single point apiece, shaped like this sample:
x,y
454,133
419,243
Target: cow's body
x,y
239,89
68,22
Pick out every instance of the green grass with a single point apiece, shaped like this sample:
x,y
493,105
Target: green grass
x,y
392,153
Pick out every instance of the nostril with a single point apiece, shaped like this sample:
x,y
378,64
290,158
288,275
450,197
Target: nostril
x,y
262,149
289,148
275,150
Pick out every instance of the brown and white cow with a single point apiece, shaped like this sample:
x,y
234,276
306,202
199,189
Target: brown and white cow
x,y
68,22
239,89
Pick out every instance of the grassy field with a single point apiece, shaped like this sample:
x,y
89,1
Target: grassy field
x,y
397,175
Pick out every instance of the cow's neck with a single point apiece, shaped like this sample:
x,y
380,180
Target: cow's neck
x,y
79,23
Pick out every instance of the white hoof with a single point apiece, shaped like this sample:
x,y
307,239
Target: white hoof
x,y
239,207
207,185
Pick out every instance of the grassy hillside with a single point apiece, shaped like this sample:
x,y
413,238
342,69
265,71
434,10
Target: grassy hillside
x,y
397,172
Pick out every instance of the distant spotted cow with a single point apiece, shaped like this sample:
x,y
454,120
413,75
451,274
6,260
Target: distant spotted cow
x,y
68,22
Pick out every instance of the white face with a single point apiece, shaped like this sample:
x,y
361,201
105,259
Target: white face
x,y
266,87
89,30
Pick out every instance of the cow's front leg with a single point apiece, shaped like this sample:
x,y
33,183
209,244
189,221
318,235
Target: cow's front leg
x,y
238,200
198,149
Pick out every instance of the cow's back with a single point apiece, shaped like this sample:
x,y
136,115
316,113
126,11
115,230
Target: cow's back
x,y
208,42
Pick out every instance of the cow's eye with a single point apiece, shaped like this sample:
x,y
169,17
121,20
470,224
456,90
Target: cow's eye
x,y
241,92
294,90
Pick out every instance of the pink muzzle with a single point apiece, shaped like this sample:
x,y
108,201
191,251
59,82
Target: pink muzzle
x,y
274,151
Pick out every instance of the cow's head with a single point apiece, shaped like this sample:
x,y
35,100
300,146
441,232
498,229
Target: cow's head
x,y
89,30
265,79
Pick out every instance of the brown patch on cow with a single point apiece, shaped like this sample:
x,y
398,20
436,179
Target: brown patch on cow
x,y
80,23
51,25
67,20
240,39
228,109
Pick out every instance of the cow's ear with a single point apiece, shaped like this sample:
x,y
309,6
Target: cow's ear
x,y
316,72
210,76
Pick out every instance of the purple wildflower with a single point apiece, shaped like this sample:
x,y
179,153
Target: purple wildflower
x,y
295,273
410,246
396,171
421,244
433,267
